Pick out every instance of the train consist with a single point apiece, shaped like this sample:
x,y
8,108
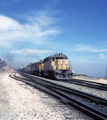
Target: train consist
x,y
54,66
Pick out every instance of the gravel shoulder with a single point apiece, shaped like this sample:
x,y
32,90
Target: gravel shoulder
x,y
104,81
19,101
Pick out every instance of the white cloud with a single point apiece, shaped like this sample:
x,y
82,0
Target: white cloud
x,y
89,48
8,3
84,59
83,47
45,19
7,24
31,52
51,4
35,30
102,56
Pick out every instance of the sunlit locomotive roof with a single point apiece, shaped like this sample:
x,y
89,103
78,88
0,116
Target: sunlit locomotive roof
x,y
56,56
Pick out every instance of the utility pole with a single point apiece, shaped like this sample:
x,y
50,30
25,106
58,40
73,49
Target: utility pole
x,y
106,73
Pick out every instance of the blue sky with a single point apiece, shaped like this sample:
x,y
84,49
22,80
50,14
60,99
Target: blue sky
x,y
31,30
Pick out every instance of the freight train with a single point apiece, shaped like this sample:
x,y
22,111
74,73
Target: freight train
x,y
54,66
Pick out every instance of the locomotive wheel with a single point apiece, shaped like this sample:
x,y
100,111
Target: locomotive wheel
x,y
51,74
42,73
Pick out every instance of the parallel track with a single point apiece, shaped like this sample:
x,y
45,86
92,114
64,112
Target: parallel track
x,y
88,96
53,89
90,84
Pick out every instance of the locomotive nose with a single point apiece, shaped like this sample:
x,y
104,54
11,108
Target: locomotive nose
x,y
64,74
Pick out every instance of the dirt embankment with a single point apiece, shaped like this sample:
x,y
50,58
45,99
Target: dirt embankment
x,y
4,68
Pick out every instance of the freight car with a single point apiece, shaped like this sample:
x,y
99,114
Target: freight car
x,y
54,66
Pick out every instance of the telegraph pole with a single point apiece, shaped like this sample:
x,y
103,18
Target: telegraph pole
x,y
106,73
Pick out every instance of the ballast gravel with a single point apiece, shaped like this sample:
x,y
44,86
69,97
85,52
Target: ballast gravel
x,y
19,101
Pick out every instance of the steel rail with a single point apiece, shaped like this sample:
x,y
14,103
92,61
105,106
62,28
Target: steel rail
x,y
96,114
88,96
95,85
99,86
90,111
90,82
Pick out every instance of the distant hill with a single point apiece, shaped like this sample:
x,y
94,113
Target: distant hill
x,y
4,68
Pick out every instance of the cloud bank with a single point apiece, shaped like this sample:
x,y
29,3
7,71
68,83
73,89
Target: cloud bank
x,y
36,29
88,48
31,52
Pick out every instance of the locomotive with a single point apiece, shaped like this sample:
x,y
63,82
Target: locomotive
x,y
54,66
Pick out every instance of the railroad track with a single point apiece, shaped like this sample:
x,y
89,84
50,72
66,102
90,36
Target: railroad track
x,y
88,96
90,84
60,92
